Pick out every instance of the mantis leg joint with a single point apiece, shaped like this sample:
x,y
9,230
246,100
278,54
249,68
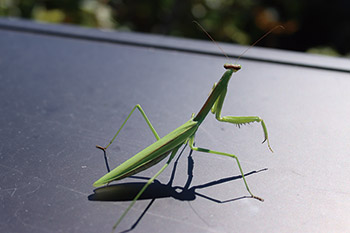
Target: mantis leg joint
x,y
101,148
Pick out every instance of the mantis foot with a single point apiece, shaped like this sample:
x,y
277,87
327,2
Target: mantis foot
x,y
100,147
258,198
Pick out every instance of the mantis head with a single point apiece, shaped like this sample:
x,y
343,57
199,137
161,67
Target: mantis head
x,y
233,67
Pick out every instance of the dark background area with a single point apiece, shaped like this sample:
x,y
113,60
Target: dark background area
x,y
316,26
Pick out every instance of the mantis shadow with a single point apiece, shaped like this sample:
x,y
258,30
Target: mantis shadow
x,y
127,191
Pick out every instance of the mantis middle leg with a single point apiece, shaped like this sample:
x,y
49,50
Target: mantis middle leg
x,y
191,144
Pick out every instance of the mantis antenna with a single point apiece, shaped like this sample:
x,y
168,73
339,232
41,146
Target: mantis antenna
x,y
266,34
211,38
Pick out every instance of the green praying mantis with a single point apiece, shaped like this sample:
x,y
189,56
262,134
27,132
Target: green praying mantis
x,y
185,134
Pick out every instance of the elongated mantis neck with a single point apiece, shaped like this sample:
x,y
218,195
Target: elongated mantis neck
x,y
216,92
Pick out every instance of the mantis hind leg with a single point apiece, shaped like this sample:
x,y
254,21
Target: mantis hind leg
x,y
241,120
145,187
191,144
127,118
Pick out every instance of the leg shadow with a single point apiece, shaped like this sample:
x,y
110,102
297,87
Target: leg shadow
x,y
128,191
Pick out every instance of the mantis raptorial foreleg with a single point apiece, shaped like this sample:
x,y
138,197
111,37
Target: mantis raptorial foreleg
x,y
173,153
127,118
191,144
241,120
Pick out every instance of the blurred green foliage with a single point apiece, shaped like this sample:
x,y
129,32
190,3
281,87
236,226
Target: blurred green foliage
x,y
317,26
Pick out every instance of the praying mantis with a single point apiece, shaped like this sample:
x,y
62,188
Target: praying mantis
x,y
185,134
